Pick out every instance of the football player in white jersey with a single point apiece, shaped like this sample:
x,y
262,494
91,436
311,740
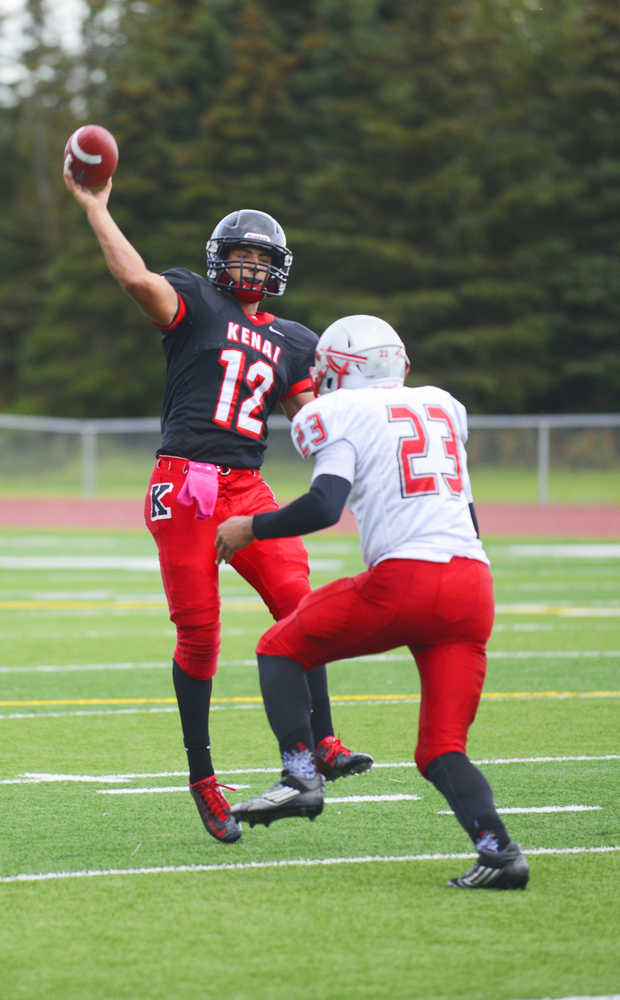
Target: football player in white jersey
x,y
396,456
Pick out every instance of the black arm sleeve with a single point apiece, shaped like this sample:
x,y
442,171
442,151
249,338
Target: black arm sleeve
x,y
317,509
474,519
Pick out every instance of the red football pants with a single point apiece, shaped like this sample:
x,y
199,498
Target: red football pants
x,y
442,611
276,568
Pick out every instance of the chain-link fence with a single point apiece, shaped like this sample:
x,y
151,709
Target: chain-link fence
x,y
567,458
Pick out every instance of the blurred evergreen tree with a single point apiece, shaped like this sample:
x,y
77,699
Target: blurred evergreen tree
x,y
450,165
584,286
33,131
147,71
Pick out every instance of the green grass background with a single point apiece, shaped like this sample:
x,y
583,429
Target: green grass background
x,y
387,928
491,484
56,471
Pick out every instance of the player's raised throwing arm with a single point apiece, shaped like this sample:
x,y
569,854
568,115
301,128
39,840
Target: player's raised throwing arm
x,y
153,293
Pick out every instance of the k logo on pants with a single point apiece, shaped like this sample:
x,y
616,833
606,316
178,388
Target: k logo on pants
x,y
158,509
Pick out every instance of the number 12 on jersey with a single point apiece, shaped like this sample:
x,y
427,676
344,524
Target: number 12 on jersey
x,y
258,377
420,443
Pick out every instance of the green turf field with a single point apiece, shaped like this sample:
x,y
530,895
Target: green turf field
x,y
111,888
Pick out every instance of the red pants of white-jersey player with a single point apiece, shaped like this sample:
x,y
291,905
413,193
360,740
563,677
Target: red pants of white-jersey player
x,y
442,611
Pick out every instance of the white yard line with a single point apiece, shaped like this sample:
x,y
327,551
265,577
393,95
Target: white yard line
x,y
590,996
533,809
558,608
347,799
68,668
286,863
552,654
500,654
131,564
140,564
362,799
12,716
42,777
565,550
560,550
356,799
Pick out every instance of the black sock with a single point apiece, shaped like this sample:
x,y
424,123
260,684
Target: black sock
x,y
286,697
470,797
321,718
194,700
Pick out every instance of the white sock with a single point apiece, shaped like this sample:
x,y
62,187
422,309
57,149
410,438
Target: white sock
x,y
299,762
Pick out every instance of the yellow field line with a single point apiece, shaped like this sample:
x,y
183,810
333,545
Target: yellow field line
x,y
26,605
344,697
78,605
243,604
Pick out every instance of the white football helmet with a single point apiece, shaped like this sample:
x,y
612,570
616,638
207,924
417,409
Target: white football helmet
x,y
358,351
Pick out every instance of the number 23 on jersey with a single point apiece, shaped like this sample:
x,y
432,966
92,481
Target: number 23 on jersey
x,y
422,443
429,441
310,434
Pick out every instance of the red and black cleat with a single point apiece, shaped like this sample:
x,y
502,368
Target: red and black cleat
x,y
215,810
334,760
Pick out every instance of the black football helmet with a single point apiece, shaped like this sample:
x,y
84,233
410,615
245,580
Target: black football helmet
x,y
248,228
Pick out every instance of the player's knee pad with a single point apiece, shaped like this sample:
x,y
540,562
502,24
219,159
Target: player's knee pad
x,y
197,650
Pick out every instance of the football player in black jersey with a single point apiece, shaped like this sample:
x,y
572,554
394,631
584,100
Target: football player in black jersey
x,y
227,366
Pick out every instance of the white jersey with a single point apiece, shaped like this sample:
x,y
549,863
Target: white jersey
x,y
403,451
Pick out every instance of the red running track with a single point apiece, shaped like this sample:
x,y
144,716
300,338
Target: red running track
x,y
516,520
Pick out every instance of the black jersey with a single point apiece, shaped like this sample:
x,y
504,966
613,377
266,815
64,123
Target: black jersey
x,y
225,373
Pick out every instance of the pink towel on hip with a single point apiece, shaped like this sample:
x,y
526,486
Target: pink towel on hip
x,y
201,486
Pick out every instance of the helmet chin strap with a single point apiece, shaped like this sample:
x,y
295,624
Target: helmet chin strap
x,y
247,294
247,291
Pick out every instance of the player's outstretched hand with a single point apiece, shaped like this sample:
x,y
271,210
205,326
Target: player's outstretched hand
x,y
85,196
232,535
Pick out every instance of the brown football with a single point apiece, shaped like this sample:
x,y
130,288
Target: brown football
x,y
91,154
